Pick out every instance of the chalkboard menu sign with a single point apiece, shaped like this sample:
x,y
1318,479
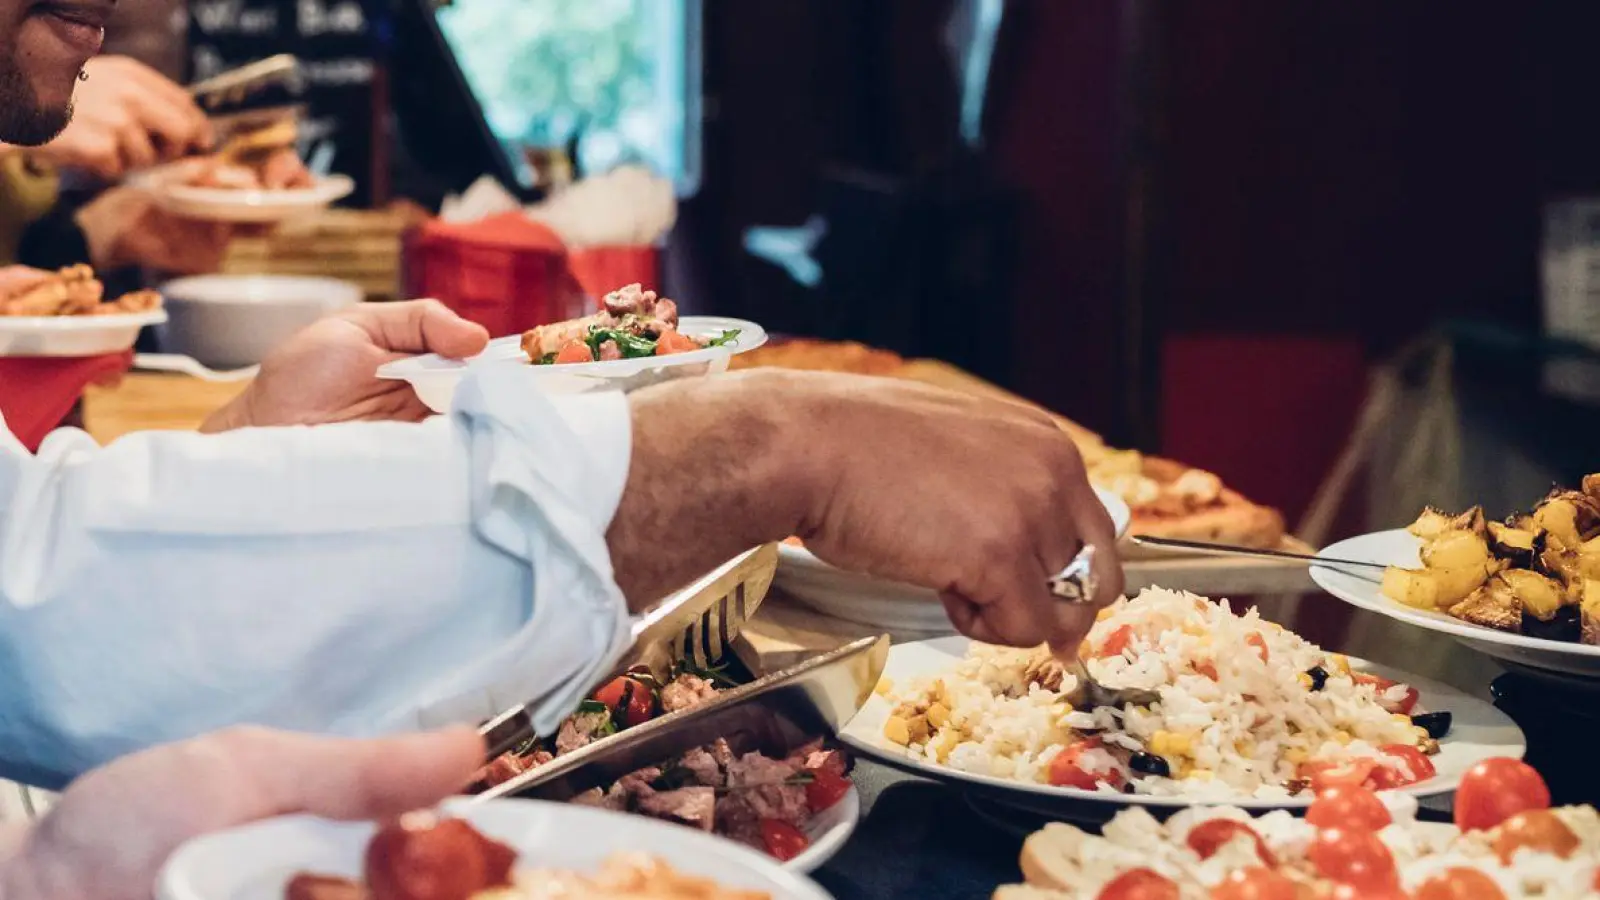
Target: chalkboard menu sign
x,y
342,79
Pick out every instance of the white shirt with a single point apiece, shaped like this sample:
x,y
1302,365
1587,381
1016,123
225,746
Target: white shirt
x,y
352,579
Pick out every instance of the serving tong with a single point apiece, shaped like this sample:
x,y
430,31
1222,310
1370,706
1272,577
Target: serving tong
x,y
1234,550
772,715
695,625
1073,585
233,86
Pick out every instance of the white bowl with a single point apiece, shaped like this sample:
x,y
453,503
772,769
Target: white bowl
x,y
256,862
436,378
232,321
73,335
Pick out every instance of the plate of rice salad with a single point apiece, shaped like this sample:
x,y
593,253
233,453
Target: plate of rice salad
x,y
1507,843
1234,709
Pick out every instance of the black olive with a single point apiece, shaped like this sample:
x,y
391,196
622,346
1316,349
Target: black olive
x,y
1436,724
1318,676
1150,764
1127,788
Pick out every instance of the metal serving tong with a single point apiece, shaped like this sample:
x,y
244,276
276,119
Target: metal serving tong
x,y
774,715
1232,550
233,86
698,623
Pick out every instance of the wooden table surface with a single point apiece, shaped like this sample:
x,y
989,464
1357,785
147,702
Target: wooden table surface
x,y
153,401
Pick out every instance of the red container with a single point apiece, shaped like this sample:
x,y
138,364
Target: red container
x,y
507,273
601,270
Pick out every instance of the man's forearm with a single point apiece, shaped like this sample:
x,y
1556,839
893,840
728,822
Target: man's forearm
x,y
719,466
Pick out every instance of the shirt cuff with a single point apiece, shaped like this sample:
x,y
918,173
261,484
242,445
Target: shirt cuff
x,y
547,475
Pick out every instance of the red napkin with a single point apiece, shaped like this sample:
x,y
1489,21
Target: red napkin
x,y
37,392
508,273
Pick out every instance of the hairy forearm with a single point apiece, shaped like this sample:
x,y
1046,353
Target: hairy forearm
x,y
719,465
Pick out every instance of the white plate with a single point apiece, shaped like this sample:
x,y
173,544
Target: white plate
x,y
256,862
828,832
226,205
73,335
435,378
1401,548
898,608
1478,732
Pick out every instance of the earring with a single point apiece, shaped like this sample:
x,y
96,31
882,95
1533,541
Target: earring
x,y
83,74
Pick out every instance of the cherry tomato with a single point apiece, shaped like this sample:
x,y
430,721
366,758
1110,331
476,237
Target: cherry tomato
x,y
1207,838
1260,643
1384,778
1535,829
632,696
1459,884
1404,705
782,840
1255,884
1116,642
1497,789
673,342
1348,807
1139,884
1355,857
424,858
832,762
575,352
1206,669
1065,771
1325,775
825,789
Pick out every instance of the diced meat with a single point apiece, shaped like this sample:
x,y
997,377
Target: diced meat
x,y
694,806
609,351
510,765
614,801
580,730
323,887
227,176
630,299
667,311
685,691
722,753
283,170
635,785
547,339
768,786
703,766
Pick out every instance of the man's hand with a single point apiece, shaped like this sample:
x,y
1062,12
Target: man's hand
x,y
127,116
326,373
110,833
979,499
125,226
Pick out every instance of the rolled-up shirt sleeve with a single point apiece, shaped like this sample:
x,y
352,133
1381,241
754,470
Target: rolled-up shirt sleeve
x,y
352,579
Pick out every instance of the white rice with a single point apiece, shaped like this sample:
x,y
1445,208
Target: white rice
x,y
1243,734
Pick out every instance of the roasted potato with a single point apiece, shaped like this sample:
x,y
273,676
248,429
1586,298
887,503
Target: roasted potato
x,y
1454,585
1589,558
1539,595
1591,485
1590,606
1471,520
1491,606
1430,524
1411,587
1559,515
1455,549
1516,546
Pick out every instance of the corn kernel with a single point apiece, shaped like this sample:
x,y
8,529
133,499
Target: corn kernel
x,y
1304,679
938,714
943,744
937,692
1295,756
897,731
1342,736
885,686
1170,744
918,726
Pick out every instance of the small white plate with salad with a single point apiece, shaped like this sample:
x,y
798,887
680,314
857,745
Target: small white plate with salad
x,y
641,360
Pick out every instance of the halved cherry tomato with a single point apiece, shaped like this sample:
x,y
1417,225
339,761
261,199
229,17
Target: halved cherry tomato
x,y
825,789
1385,778
632,696
1065,771
1536,829
1459,884
1349,773
1206,669
1348,807
1208,837
673,342
1404,706
1260,643
1115,642
423,856
782,840
1255,884
1354,857
575,352
1139,884
1497,789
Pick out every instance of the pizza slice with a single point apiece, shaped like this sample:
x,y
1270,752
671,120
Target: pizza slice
x,y
1172,500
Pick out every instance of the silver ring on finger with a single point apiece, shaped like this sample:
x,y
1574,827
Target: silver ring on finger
x,y
1076,583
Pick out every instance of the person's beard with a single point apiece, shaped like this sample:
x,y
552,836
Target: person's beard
x,y
23,121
